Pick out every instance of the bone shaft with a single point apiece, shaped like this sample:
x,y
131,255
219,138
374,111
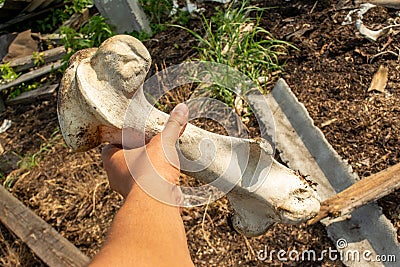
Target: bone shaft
x,y
199,148
111,135
386,3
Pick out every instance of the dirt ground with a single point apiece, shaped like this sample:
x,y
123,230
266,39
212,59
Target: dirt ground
x,y
330,73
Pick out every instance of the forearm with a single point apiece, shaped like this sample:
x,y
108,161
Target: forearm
x,y
145,232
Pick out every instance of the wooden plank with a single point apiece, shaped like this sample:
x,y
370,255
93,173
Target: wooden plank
x,y
23,17
46,243
57,38
27,62
42,92
32,75
362,192
37,4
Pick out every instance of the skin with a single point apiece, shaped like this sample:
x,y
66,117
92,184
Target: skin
x,y
146,231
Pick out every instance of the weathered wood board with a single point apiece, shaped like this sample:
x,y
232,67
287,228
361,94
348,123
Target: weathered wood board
x,y
25,63
32,75
362,192
42,92
45,242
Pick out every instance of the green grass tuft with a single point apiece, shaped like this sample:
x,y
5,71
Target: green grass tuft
x,y
235,38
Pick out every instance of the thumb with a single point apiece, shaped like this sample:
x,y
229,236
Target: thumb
x,y
175,125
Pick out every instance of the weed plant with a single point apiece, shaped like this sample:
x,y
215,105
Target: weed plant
x,y
235,38
7,73
22,88
159,13
38,58
30,161
92,34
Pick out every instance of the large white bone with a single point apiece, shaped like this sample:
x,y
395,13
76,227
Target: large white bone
x,y
97,91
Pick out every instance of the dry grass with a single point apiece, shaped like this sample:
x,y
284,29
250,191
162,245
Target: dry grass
x,y
70,191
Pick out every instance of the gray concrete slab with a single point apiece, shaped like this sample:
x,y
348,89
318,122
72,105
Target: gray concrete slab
x,y
367,233
126,15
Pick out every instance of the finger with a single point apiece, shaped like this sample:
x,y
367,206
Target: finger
x,y
175,124
109,150
111,157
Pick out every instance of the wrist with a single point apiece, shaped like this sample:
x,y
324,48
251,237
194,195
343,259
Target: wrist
x,y
158,189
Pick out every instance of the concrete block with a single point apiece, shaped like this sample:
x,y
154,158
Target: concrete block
x,y
126,15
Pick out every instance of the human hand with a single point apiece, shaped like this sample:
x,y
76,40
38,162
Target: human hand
x,y
158,159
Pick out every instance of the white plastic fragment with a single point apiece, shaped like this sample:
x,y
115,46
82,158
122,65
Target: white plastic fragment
x,y
371,35
360,12
5,125
191,6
